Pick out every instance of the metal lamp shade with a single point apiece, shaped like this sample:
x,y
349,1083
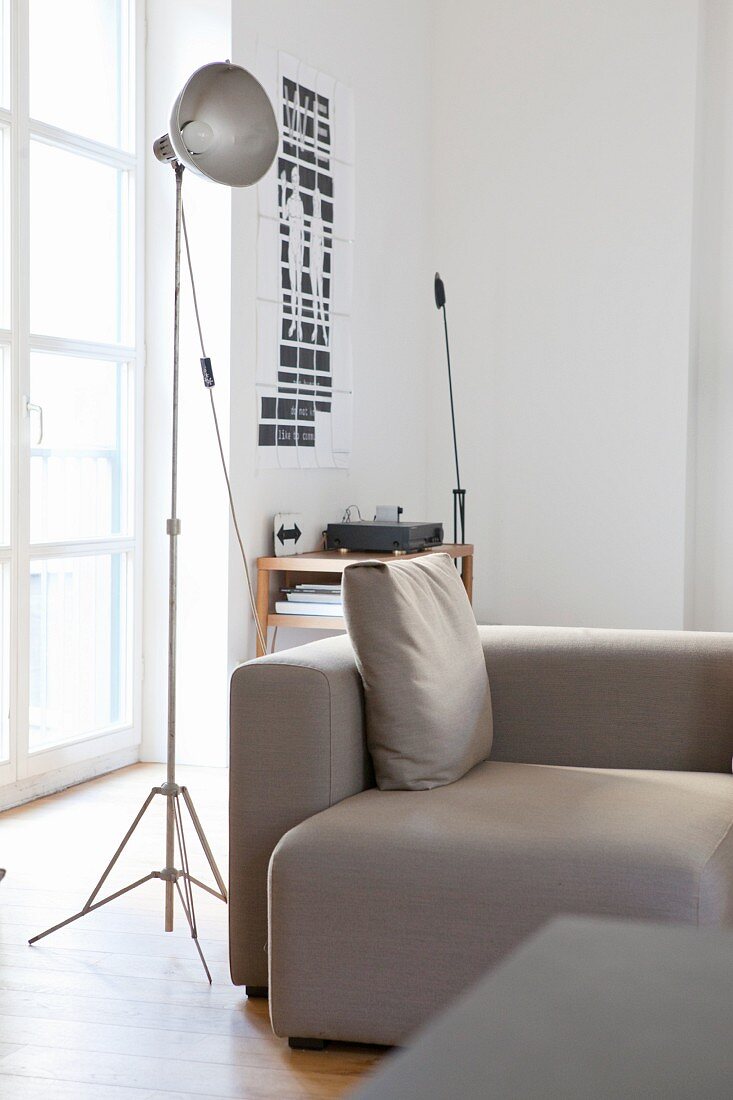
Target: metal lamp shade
x,y
234,104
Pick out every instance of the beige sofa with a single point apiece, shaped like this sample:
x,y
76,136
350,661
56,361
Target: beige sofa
x,y
609,791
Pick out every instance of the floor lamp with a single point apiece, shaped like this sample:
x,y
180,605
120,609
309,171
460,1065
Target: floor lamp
x,y
222,127
459,493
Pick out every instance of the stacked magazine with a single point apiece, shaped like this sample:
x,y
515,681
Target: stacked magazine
x,y
311,599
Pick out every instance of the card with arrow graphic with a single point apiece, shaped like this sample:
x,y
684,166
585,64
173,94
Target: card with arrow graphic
x,y
288,534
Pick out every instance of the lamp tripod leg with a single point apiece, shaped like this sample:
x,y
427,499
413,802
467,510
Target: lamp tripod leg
x,y
191,924
170,875
97,905
121,848
187,901
205,845
89,905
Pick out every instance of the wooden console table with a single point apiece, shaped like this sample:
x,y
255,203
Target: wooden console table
x,y
319,568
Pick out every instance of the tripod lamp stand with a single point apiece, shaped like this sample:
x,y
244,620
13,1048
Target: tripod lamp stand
x,y
222,127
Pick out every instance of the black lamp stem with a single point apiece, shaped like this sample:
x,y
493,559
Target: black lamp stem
x,y
459,494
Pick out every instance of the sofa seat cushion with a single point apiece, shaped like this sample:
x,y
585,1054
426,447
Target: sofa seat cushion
x,y
388,885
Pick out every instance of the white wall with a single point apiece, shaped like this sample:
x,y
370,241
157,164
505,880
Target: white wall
x,y
564,179
566,166
382,50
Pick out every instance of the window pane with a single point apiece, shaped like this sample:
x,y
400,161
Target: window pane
x,y
78,222
79,474
4,53
4,227
5,447
4,661
79,87
79,642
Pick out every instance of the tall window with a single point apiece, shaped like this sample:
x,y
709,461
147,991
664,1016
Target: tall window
x,y
69,383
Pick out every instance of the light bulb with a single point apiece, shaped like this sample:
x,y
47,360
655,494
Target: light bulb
x,y
197,136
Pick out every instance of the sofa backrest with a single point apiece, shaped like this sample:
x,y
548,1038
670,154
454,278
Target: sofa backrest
x,y
611,698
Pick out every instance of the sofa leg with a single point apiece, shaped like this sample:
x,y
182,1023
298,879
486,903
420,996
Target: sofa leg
x,y
306,1044
256,991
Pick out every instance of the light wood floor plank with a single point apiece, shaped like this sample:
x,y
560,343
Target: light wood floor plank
x,y
84,937
252,1051
8,1047
39,1088
157,991
177,1075
111,919
84,1009
113,1008
130,966
22,904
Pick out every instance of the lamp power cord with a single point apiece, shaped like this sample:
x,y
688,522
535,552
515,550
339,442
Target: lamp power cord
x,y
210,388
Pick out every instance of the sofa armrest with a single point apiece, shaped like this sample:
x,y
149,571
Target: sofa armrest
x,y
611,698
297,746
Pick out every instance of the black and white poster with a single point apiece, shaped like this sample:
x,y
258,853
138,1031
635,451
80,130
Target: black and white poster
x,y
304,271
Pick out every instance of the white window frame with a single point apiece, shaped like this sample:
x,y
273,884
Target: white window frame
x,y
30,774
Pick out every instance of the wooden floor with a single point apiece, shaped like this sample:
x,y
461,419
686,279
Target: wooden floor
x,y
111,1007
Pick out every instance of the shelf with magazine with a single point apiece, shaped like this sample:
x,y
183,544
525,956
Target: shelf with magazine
x,y
319,602
303,591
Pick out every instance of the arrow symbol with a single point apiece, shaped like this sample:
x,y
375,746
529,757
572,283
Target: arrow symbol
x,y
291,535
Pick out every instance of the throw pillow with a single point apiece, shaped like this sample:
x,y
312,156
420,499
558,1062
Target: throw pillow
x,y
428,703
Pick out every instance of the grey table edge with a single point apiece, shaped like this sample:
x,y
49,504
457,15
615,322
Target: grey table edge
x,y
586,1008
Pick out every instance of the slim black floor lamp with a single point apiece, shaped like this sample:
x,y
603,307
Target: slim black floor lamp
x,y
223,128
459,494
